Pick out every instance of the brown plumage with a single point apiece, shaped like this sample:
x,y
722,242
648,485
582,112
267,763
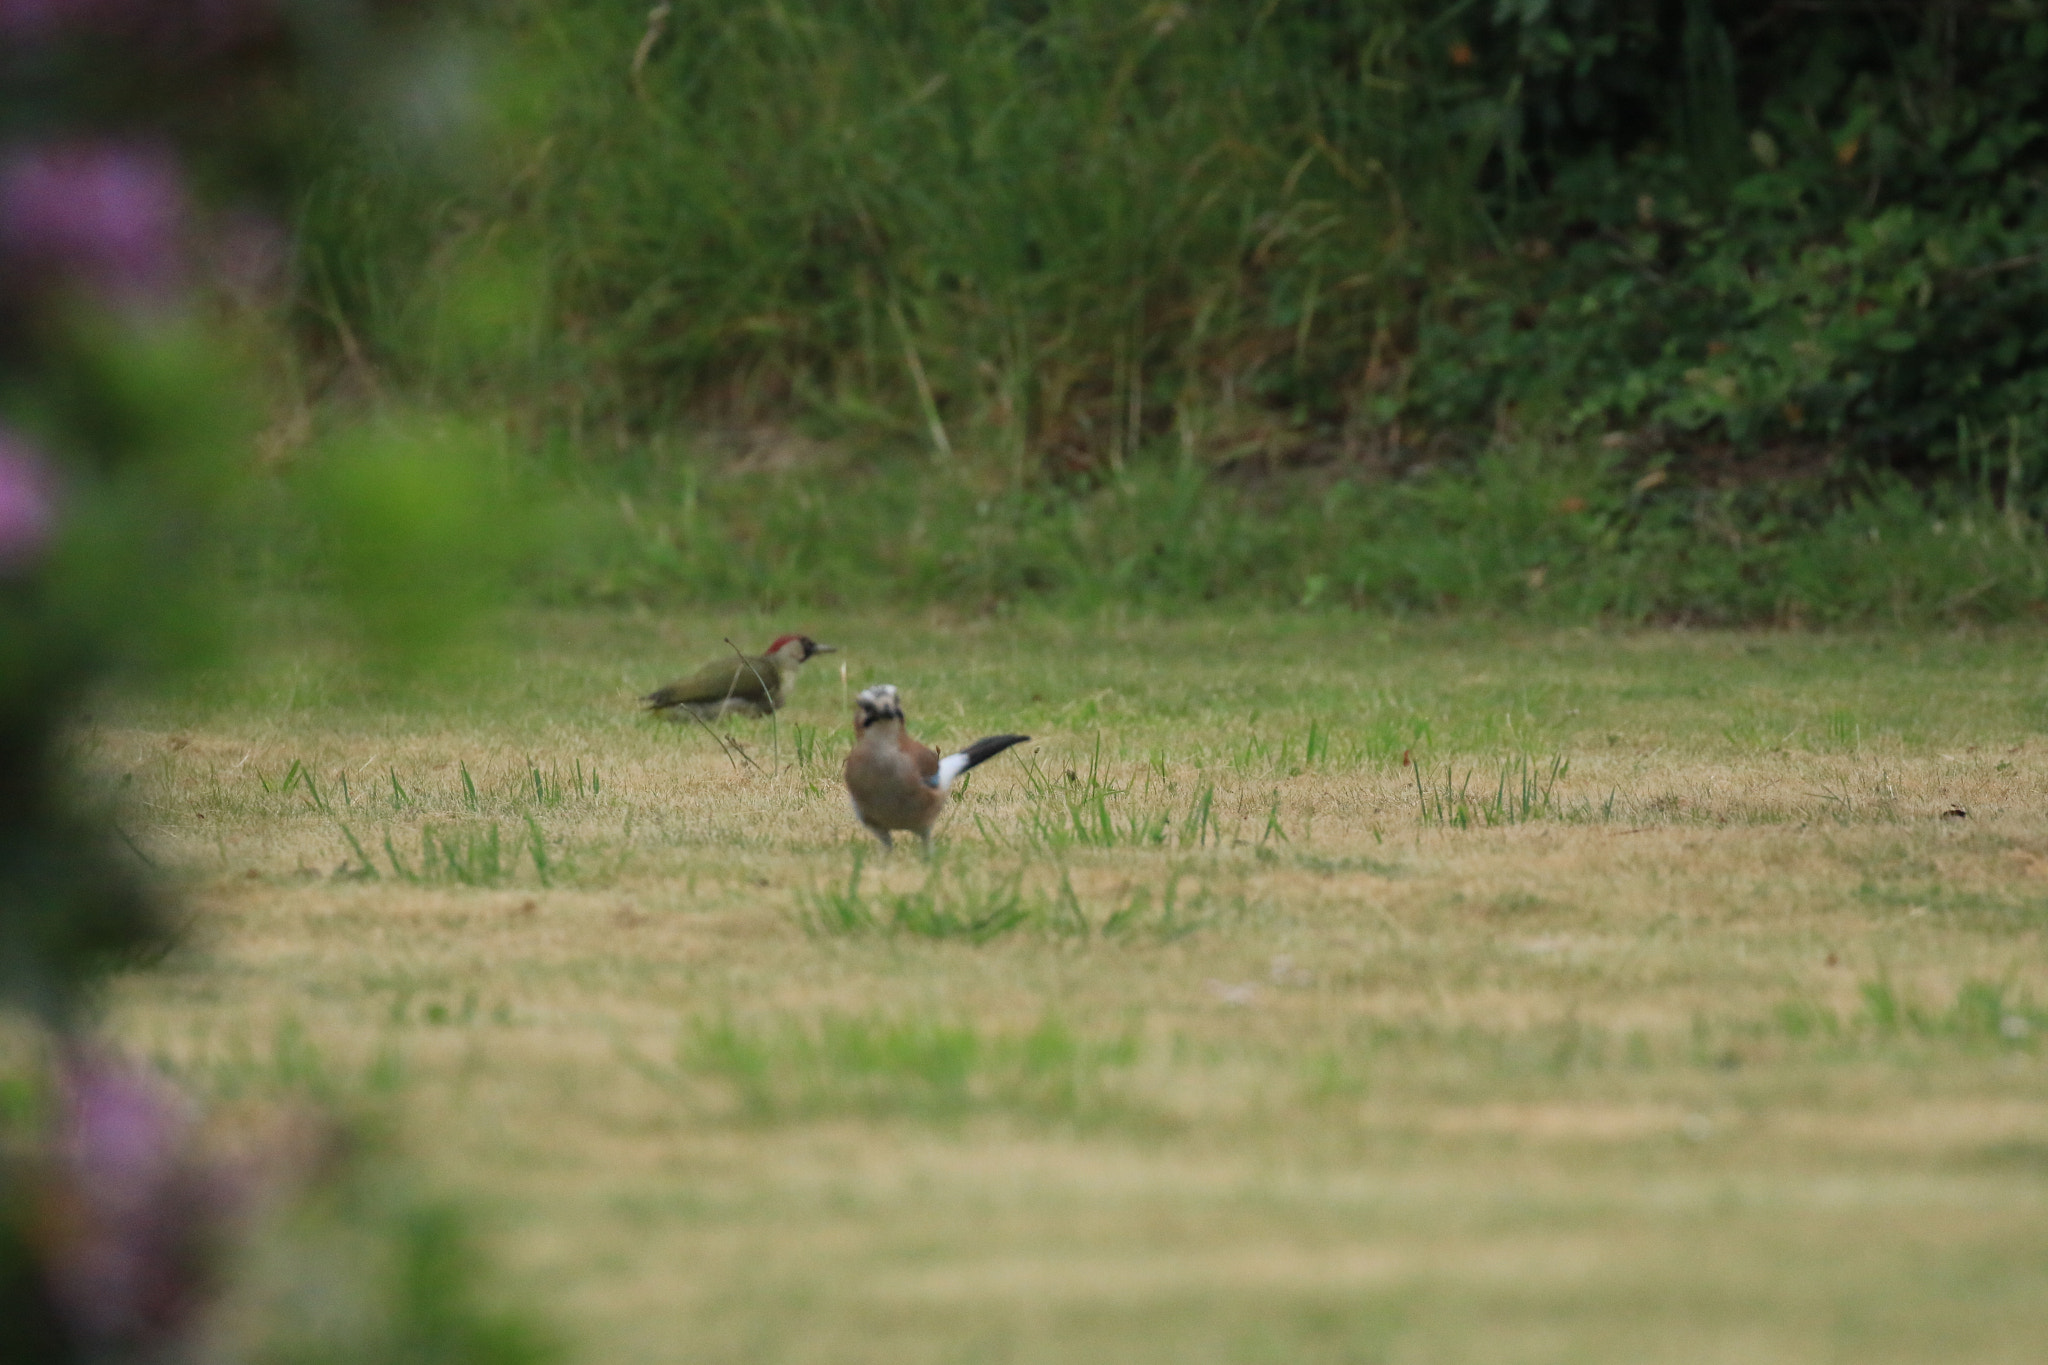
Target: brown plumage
x,y
897,783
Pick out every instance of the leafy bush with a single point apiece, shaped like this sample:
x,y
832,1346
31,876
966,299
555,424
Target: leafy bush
x,y
1763,227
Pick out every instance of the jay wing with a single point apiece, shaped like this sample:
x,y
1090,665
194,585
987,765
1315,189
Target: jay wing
x,y
897,783
974,755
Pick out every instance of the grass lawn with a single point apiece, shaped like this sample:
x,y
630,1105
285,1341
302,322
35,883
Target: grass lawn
x,y
1653,1011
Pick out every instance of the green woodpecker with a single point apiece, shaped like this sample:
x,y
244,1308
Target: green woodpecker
x,y
897,783
751,685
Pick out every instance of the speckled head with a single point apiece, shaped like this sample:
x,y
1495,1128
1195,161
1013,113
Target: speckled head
x,y
876,703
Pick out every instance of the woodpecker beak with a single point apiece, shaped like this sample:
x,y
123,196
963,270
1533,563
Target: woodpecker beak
x,y
816,648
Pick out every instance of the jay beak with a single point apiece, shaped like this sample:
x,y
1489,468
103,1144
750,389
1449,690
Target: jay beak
x,y
897,783
751,685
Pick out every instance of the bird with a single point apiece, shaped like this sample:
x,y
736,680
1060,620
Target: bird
x,y
749,685
897,783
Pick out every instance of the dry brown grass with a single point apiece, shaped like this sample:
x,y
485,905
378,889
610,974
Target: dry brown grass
x,y
1733,1053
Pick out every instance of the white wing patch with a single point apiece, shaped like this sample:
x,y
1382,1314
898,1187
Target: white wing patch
x,y
950,767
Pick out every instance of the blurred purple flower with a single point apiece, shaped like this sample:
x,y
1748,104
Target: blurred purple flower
x,y
135,1226
28,503
106,217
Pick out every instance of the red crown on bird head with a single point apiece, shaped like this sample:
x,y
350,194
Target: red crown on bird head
x,y
782,640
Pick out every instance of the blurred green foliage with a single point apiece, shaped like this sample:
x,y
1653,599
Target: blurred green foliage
x,y
1048,235
145,150
144,155
414,526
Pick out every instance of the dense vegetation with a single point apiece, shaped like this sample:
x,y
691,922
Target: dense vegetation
x,y
1753,260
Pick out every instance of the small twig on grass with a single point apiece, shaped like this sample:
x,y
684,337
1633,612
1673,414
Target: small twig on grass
x,y
767,695
133,847
729,749
2020,262
623,1049
657,25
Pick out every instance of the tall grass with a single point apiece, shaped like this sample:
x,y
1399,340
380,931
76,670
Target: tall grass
x,y
1093,811
1035,273
976,911
982,908
1521,789
462,857
1021,230
1536,530
1044,234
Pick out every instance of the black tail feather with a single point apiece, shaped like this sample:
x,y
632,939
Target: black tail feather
x,y
982,750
